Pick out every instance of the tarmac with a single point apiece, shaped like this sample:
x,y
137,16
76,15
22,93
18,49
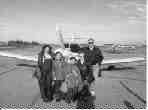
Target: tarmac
x,y
125,88
121,88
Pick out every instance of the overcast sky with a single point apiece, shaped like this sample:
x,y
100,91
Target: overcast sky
x,y
105,20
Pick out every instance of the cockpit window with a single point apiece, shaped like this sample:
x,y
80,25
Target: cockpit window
x,y
73,47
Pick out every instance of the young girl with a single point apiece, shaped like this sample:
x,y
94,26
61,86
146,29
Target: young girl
x,y
73,80
59,75
45,66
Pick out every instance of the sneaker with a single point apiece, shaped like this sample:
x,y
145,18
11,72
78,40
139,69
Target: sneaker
x,y
50,99
58,99
68,101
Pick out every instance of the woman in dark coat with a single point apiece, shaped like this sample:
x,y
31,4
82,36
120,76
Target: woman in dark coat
x,y
45,66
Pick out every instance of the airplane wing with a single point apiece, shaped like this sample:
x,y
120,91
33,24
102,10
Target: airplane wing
x,y
122,60
68,53
34,58
18,56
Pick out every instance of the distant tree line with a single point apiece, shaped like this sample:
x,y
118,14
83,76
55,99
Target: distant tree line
x,y
22,43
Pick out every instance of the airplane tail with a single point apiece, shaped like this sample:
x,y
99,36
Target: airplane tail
x,y
60,38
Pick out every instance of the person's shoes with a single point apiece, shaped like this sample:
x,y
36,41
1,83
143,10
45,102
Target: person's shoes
x,y
50,99
58,99
63,96
68,101
99,73
75,98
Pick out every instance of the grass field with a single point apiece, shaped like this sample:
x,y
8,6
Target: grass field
x,y
124,87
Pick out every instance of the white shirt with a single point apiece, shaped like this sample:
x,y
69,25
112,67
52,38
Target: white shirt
x,y
47,56
91,48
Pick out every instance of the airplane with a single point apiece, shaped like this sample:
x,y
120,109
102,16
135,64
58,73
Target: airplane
x,y
118,48
68,53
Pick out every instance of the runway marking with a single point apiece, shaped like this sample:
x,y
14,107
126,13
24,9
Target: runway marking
x,y
133,93
12,69
26,65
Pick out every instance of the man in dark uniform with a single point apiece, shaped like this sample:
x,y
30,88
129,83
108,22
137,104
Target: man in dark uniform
x,y
93,55
93,58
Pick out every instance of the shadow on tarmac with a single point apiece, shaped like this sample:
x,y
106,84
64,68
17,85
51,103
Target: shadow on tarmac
x,y
133,93
113,68
128,104
26,65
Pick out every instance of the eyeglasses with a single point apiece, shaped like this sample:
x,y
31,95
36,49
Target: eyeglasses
x,y
90,42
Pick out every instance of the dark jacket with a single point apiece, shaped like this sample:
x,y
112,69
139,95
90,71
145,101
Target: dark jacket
x,y
58,70
43,73
83,70
45,67
86,72
92,57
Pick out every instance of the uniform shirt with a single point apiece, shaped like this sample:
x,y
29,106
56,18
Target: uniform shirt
x,y
93,56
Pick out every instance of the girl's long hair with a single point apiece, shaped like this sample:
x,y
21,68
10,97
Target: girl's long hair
x,y
62,57
43,50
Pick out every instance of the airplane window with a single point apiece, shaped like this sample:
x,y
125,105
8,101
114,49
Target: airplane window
x,y
73,47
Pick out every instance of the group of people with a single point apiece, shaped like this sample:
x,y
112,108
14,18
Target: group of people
x,y
62,80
